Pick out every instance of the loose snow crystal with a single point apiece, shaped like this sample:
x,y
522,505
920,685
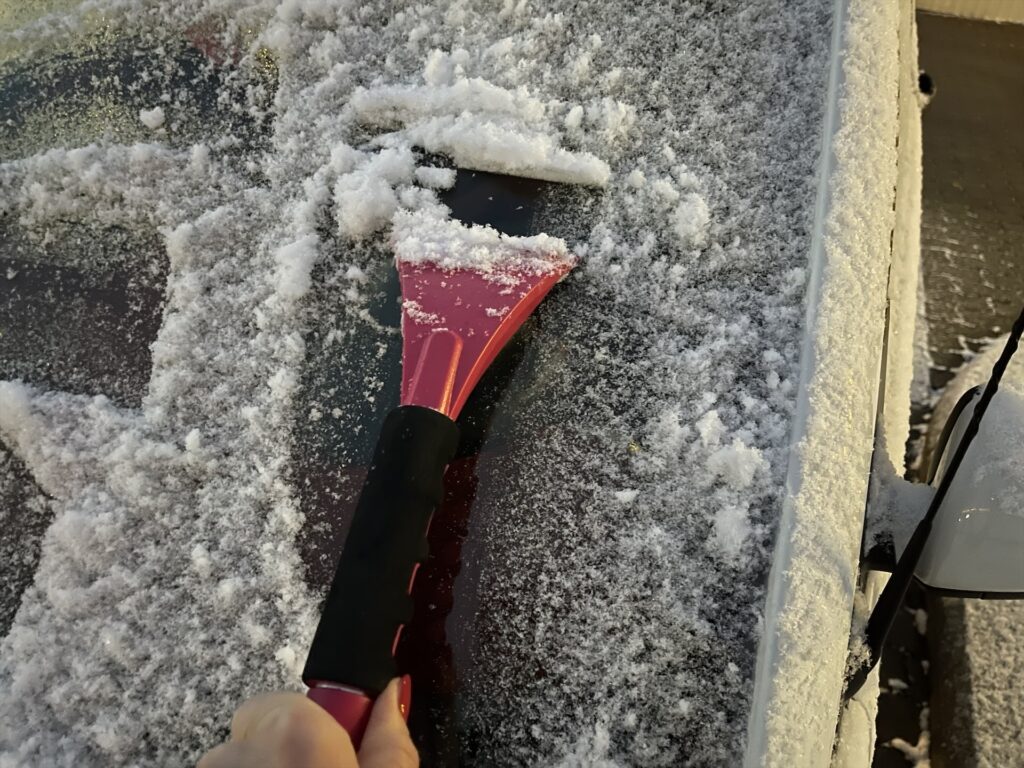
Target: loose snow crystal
x,y
436,178
710,428
690,220
295,262
152,118
365,196
736,463
732,527
917,755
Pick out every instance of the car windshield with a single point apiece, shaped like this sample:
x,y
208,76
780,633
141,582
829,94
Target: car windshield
x,y
200,337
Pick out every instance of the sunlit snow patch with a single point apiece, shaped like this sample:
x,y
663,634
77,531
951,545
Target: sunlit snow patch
x,y
420,237
481,126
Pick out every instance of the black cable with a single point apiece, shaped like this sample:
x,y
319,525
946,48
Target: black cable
x,y
889,602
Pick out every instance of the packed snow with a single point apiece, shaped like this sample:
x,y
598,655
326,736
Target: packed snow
x,y
479,125
893,503
868,263
626,505
152,118
423,237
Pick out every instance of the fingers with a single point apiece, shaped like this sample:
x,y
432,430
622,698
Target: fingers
x,y
387,743
235,755
287,730
259,711
283,730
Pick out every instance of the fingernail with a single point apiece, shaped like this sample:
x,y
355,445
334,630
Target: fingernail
x,y
404,696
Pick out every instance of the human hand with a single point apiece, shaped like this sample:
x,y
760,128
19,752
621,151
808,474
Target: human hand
x,y
287,730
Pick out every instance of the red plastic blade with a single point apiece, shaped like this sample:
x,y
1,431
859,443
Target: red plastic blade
x,y
456,321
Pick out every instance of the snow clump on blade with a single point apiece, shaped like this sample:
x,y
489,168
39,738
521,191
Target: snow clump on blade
x,y
420,238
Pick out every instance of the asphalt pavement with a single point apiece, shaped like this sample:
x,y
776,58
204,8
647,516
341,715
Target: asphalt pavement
x,y
972,242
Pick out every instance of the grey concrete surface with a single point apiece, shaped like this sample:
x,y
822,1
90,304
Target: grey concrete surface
x,y
973,253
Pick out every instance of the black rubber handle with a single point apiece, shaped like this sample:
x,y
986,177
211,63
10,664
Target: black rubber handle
x,y
369,597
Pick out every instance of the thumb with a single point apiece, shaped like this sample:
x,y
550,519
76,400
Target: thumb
x,y
386,743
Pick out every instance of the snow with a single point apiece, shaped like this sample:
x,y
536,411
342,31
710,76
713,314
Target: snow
x,y
896,684
917,755
894,504
855,737
171,556
710,428
423,237
732,527
690,220
974,374
803,653
994,463
619,628
435,178
736,464
482,126
897,507
365,196
152,118
294,264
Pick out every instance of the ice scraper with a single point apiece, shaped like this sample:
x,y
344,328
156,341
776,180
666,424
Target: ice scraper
x,y
465,292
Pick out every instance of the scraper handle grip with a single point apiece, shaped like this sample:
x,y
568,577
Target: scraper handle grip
x,y
349,707
368,601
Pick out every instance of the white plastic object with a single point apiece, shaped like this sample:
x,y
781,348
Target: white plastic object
x,y
977,541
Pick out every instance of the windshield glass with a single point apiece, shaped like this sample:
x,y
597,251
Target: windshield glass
x,y
199,339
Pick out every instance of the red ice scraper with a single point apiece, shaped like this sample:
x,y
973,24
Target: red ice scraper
x,y
465,292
